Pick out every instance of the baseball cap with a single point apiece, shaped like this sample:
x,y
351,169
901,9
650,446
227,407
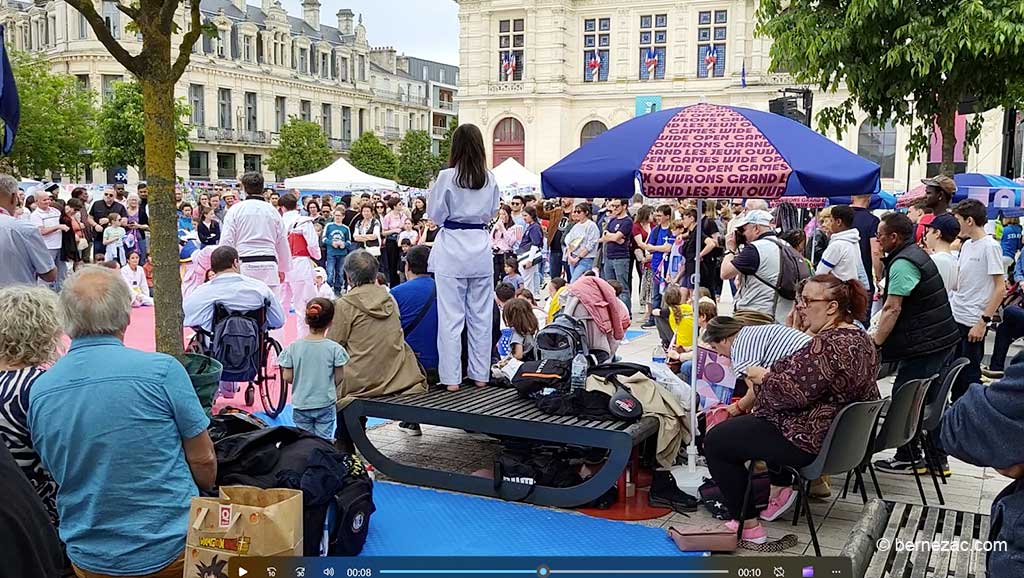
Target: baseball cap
x,y
943,182
946,225
755,217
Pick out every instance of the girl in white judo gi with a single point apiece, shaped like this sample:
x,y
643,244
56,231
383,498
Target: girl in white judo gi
x,y
463,201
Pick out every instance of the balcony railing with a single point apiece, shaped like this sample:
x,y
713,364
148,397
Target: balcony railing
x,y
447,106
390,133
438,131
212,133
400,97
339,144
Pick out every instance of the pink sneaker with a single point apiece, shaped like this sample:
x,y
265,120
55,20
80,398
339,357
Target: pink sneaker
x,y
755,535
779,505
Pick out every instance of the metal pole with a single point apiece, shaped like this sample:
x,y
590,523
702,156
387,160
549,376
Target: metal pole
x,y
1009,144
910,132
814,239
691,450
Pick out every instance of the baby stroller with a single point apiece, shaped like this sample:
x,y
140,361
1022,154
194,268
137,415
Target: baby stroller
x,y
602,344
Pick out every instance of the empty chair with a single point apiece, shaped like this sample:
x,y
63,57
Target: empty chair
x,y
900,427
932,416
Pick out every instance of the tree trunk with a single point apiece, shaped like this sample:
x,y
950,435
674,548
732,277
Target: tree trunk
x,y
947,128
158,105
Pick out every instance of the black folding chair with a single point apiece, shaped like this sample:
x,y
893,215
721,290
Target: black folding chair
x,y
842,451
900,426
931,419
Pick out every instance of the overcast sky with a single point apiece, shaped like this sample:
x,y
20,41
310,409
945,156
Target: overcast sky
x,y
422,28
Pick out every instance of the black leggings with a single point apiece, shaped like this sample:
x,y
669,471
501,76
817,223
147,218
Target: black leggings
x,y
392,260
730,444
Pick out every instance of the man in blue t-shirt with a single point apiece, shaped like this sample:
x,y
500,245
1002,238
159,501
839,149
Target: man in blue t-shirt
x,y
659,243
126,476
616,263
417,306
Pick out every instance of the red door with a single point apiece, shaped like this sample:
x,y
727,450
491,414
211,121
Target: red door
x,y
509,141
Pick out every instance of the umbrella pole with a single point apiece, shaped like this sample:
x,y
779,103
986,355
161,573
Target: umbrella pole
x,y
814,238
691,477
691,450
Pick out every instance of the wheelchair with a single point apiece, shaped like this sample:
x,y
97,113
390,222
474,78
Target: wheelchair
x,y
268,373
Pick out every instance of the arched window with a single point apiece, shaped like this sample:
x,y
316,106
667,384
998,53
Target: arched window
x,y
590,130
878,144
509,141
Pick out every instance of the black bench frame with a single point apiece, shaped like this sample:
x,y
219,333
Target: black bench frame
x,y
498,412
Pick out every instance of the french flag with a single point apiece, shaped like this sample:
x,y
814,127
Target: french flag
x,y
511,67
651,61
595,66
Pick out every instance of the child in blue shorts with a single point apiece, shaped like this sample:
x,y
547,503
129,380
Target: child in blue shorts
x,y
314,365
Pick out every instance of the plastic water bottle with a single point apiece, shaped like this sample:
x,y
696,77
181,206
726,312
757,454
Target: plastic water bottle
x,y
580,365
659,355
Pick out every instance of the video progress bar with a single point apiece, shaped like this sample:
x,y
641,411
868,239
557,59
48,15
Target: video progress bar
x,y
534,572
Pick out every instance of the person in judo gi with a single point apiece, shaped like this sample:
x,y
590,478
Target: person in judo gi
x,y
463,201
304,244
254,228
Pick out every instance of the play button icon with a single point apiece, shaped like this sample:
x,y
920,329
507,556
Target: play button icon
x,y
242,571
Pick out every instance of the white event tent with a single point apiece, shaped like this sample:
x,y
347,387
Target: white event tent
x,y
341,176
512,176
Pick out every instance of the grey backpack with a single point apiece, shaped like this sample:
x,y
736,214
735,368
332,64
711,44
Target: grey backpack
x,y
236,344
562,339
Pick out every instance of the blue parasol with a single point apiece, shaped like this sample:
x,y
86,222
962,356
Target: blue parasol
x,y
998,193
711,151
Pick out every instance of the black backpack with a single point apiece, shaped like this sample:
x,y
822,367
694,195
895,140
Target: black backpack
x,y
236,345
793,269
562,339
345,522
535,376
337,492
529,468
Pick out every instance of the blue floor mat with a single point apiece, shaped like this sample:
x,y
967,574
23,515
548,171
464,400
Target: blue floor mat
x,y
632,334
285,418
412,521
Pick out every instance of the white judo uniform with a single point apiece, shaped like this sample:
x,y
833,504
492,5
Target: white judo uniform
x,y
463,268
304,248
255,229
136,281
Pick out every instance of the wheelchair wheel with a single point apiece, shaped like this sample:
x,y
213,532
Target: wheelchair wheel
x,y
250,395
195,345
270,377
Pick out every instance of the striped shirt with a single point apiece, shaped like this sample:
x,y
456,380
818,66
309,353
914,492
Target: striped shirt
x,y
14,392
763,345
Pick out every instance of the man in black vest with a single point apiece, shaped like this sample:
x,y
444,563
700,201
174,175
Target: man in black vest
x,y
916,330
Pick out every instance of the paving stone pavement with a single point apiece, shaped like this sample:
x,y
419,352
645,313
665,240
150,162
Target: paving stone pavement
x,y
970,489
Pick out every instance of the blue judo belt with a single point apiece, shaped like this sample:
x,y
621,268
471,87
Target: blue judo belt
x,y
457,226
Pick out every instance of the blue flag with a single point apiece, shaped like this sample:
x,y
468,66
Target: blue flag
x,y
10,105
743,74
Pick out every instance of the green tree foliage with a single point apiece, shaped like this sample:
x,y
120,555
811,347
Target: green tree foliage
x,y
416,163
56,120
888,54
302,149
373,157
120,138
445,149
